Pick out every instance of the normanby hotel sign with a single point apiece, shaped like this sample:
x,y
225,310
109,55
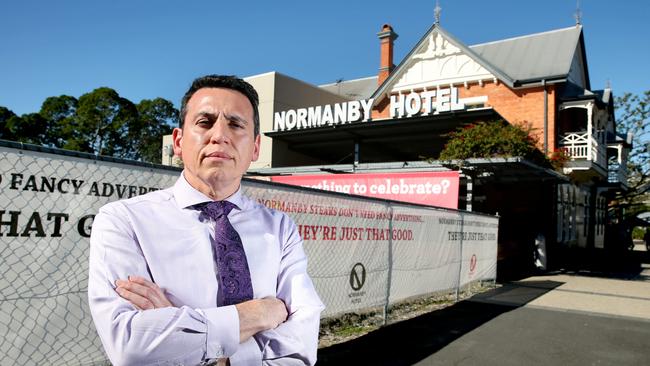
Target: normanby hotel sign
x,y
429,102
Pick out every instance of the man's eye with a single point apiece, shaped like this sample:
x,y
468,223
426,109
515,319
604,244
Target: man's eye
x,y
202,122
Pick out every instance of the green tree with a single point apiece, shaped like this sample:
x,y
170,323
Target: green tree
x,y
60,113
99,122
493,139
5,116
102,123
29,128
632,115
156,120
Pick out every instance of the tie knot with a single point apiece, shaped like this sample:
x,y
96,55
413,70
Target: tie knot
x,y
216,209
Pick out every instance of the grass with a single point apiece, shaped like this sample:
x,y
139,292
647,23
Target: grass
x,y
353,325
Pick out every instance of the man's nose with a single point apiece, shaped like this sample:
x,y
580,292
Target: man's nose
x,y
219,133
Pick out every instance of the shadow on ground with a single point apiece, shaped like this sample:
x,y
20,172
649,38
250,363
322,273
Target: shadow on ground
x,y
624,265
605,263
410,341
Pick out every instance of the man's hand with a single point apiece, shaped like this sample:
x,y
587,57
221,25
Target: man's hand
x,y
260,314
143,294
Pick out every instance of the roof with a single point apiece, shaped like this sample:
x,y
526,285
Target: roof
x,y
354,89
625,140
515,61
605,95
436,28
533,57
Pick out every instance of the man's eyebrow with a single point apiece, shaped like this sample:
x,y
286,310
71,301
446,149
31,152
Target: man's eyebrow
x,y
235,118
208,115
214,116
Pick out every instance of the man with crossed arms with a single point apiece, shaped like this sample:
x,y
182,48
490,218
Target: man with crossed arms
x,y
198,273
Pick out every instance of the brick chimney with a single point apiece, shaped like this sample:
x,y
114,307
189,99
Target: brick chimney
x,y
386,38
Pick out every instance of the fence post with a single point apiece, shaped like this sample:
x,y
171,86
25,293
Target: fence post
x,y
390,261
460,262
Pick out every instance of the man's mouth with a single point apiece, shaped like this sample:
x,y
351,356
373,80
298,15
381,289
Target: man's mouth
x,y
218,155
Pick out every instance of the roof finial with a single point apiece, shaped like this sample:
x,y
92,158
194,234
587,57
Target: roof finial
x,y
436,12
608,84
578,13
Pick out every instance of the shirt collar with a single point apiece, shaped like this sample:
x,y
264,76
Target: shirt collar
x,y
187,196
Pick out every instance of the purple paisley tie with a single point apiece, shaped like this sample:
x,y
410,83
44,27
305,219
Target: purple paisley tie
x,y
234,277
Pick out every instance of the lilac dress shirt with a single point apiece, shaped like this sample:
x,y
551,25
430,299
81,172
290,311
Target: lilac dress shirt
x,y
160,237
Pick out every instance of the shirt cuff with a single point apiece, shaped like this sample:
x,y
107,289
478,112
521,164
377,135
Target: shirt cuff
x,y
249,353
222,331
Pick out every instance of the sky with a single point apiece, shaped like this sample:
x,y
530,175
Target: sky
x,y
154,48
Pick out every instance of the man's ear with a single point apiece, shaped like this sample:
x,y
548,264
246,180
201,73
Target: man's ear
x,y
177,137
256,148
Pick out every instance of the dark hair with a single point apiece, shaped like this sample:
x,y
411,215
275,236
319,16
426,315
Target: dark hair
x,y
227,82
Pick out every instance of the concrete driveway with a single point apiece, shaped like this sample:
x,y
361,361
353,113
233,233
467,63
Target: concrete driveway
x,y
581,318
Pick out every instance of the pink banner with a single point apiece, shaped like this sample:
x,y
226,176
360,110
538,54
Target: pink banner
x,y
428,188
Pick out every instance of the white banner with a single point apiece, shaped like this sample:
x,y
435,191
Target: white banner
x,y
478,240
429,263
344,239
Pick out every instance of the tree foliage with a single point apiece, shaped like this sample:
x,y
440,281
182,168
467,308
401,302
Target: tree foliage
x,y
104,122
6,115
632,115
59,112
99,122
156,118
491,140
28,128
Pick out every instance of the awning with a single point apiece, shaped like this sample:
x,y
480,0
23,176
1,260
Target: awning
x,y
405,139
501,170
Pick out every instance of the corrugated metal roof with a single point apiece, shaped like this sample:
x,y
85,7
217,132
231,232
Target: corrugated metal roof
x,y
535,56
354,89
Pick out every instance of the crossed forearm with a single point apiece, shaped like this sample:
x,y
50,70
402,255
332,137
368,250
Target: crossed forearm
x,y
255,315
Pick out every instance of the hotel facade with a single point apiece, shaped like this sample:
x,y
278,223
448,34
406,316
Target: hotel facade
x,y
397,122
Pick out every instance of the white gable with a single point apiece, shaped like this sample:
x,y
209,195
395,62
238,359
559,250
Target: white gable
x,y
437,62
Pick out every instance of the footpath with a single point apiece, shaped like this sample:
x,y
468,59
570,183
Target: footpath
x,y
563,318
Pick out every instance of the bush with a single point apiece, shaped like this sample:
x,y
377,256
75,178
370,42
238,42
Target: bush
x,y
495,139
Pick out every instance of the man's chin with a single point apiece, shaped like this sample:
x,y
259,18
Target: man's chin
x,y
218,177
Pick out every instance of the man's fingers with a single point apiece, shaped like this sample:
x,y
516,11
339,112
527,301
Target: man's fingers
x,y
151,291
143,281
138,301
146,289
138,289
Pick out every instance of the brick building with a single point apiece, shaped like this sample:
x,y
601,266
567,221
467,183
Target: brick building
x,y
398,121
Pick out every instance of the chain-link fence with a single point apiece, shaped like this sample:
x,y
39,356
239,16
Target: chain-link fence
x,y
364,253
48,203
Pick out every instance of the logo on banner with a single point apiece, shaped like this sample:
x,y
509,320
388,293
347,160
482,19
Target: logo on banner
x,y
357,280
357,276
472,264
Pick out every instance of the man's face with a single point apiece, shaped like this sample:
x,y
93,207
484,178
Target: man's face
x,y
217,142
